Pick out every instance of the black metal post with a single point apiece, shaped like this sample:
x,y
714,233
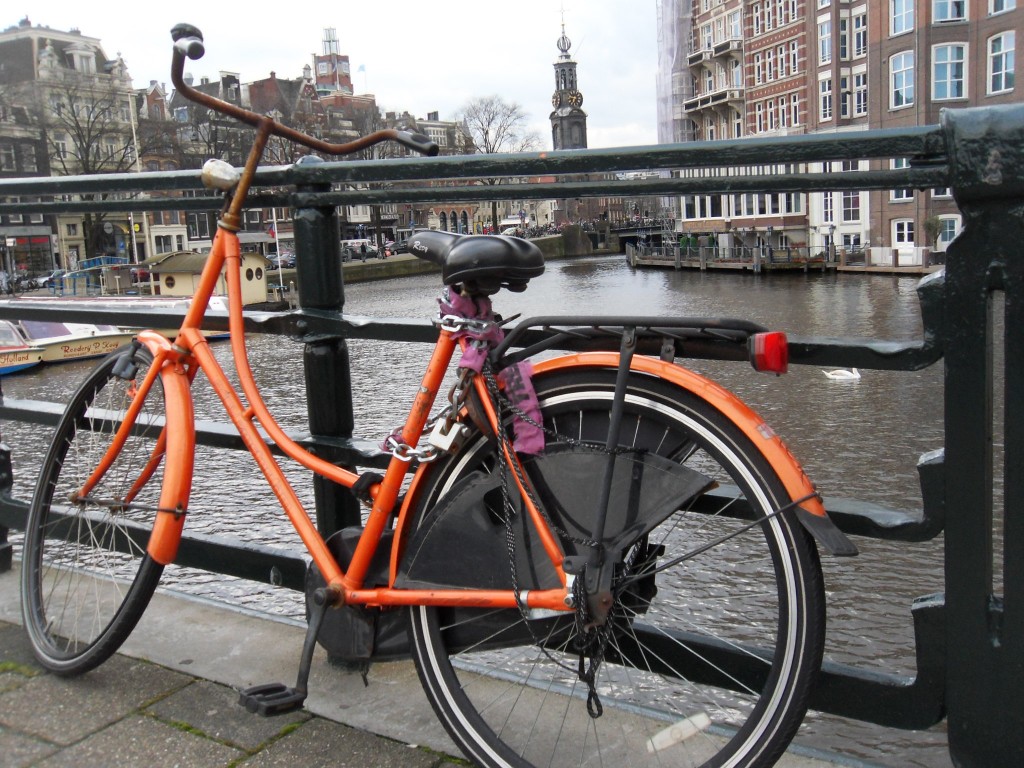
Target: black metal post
x,y
985,618
326,359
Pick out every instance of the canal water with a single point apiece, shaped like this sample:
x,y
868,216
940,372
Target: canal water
x,y
860,439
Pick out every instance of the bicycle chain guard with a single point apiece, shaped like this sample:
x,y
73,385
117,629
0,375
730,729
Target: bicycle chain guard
x,y
463,545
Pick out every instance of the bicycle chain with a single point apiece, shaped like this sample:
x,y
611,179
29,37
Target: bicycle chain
x,y
591,642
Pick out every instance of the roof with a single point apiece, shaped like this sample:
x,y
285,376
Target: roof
x,y
183,261
177,261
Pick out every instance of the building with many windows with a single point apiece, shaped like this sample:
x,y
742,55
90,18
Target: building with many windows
x,y
783,67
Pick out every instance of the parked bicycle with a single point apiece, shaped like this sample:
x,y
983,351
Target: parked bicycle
x,y
583,540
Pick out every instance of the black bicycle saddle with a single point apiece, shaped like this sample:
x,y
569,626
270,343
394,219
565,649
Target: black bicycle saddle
x,y
482,263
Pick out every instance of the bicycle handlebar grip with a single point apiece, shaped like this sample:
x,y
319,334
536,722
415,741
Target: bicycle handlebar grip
x,y
188,40
417,142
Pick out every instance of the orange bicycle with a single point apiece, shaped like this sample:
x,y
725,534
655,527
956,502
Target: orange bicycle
x,y
581,547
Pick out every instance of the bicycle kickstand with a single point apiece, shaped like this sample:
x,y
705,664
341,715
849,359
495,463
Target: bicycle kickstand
x,y
271,699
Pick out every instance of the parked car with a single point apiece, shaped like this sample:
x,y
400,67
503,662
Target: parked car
x,y
284,261
44,281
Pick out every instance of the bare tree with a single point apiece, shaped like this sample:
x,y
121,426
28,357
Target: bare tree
x,y
88,130
496,125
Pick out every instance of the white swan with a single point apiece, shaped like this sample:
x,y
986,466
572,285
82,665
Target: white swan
x,y
843,374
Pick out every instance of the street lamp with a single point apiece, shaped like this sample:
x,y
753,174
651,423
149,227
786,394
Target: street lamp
x,y
831,242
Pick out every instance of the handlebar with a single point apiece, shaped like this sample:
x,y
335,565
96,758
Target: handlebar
x,y
188,43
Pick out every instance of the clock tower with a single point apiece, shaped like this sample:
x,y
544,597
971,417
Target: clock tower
x,y
568,120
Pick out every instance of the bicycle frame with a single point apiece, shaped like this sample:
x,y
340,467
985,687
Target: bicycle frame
x,y
178,363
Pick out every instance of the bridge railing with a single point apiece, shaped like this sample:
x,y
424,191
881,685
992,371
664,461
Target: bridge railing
x,y
969,638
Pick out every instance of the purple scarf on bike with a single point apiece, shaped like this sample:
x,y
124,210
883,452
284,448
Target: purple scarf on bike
x,y
529,439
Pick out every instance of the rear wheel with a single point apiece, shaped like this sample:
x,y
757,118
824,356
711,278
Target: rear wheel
x,y
86,577
717,627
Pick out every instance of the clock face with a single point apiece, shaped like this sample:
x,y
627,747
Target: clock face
x,y
576,98
556,99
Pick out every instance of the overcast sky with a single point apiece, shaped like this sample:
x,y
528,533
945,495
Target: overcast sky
x,y
418,57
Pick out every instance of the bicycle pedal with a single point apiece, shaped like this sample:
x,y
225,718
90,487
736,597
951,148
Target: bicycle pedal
x,y
271,699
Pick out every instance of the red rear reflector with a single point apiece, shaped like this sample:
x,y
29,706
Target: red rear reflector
x,y
769,352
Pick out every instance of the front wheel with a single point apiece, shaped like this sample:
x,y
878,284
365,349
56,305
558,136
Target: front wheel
x,y
86,577
716,632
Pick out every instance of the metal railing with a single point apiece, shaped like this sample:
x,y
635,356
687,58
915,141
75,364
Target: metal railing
x,y
970,639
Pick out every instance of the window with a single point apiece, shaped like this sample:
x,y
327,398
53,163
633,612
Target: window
x,y
705,37
860,94
14,218
737,73
844,39
28,158
769,21
825,42
825,98
35,218
794,57
163,243
901,16
755,12
900,194
71,230
735,26
198,226
794,109
844,96
860,34
851,207
999,6
949,226
737,124
769,65
949,10
7,160
903,231
948,71
827,212
901,80
783,111
60,146
758,69
1001,62
759,117
942,192
780,57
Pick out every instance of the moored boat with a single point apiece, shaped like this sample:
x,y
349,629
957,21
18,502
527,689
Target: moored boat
x,y
61,342
15,353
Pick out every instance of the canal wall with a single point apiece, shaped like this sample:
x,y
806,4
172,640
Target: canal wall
x,y
572,242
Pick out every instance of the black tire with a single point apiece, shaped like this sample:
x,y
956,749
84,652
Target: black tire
x,y
759,592
86,578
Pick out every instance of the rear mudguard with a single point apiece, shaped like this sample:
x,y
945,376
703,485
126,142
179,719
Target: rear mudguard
x,y
810,512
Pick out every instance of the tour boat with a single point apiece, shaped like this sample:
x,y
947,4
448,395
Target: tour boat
x,y
61,342
15,353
